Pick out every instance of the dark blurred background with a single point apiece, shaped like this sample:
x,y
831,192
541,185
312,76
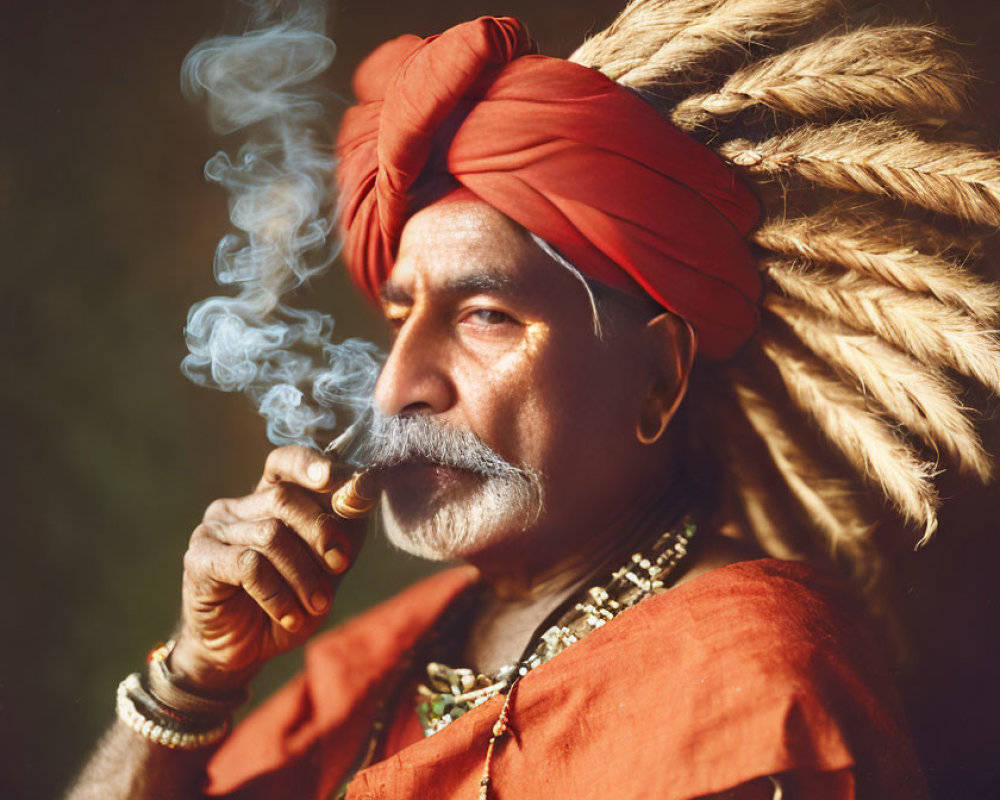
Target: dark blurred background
x,y
109,455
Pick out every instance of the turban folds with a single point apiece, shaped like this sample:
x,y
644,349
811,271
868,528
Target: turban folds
x,y
562,150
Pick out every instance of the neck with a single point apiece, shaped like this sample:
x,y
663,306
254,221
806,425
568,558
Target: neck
x,y
526,589
527,570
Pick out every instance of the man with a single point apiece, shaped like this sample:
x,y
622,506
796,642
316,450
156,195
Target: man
x,y
614,638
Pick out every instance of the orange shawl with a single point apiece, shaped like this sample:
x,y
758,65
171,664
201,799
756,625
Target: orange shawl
x,y
754,669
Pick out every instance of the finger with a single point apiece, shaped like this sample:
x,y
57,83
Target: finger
x,y
305,514
351,533
250,570
290,556
218,511
297,464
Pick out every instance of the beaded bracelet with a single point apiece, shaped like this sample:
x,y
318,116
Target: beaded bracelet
x,y
160,710
159,729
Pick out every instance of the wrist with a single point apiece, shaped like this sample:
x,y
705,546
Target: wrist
x,y
160,710
191,671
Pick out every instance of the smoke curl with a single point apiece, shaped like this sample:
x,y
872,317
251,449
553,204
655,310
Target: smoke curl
x,y
281,194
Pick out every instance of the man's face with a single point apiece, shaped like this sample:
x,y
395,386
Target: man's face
x,y
494,339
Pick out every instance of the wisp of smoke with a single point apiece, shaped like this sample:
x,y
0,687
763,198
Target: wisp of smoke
x,y
280,195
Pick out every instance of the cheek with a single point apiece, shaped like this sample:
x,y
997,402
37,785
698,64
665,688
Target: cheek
x,y
550,402
512,399
562,408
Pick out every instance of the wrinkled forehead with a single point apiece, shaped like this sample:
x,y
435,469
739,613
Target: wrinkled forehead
x,y
462,217
461,243
458,246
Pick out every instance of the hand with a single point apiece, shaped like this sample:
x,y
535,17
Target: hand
x,y
260,572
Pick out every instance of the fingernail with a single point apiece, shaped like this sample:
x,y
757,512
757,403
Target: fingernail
x,y
335,560
318,472
291,622
319,601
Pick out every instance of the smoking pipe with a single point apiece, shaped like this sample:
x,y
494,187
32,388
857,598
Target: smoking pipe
x,y
349,501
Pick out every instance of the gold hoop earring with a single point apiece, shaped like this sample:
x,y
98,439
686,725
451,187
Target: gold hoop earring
x,y
647,440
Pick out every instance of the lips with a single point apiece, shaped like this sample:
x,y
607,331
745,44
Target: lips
x,y
423,477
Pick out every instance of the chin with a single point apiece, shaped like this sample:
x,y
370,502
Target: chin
x,y
458,518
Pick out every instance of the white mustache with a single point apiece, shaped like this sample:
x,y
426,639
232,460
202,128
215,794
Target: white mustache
x,y
397,440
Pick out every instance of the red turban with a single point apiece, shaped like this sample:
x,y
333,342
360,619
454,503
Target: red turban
x,y
562,150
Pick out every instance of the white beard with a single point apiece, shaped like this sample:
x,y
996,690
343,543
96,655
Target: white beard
x,y
455,527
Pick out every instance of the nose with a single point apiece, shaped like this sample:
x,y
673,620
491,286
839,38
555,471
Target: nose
x,y
414,379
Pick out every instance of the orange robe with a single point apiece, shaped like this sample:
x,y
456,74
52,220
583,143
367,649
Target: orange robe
x,y
751,670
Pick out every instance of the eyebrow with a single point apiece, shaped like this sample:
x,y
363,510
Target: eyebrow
x,y
462,285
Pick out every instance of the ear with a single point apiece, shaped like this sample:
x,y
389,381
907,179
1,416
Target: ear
x,y
671,344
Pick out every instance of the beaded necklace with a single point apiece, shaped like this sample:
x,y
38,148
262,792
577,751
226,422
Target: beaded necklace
x,y
449,693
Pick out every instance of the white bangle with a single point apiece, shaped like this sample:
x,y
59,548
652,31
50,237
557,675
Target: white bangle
x,y
155,731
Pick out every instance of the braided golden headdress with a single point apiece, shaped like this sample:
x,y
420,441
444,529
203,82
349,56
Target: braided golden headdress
x,y
856,140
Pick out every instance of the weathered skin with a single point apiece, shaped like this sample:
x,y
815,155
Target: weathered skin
x,y
492,337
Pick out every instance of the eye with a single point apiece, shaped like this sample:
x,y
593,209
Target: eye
x,y
487,317
395,316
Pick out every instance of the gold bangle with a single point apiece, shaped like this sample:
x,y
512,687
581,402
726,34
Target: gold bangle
x,y
348,502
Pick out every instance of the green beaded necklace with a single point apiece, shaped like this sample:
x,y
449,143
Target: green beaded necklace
x,y
449,693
